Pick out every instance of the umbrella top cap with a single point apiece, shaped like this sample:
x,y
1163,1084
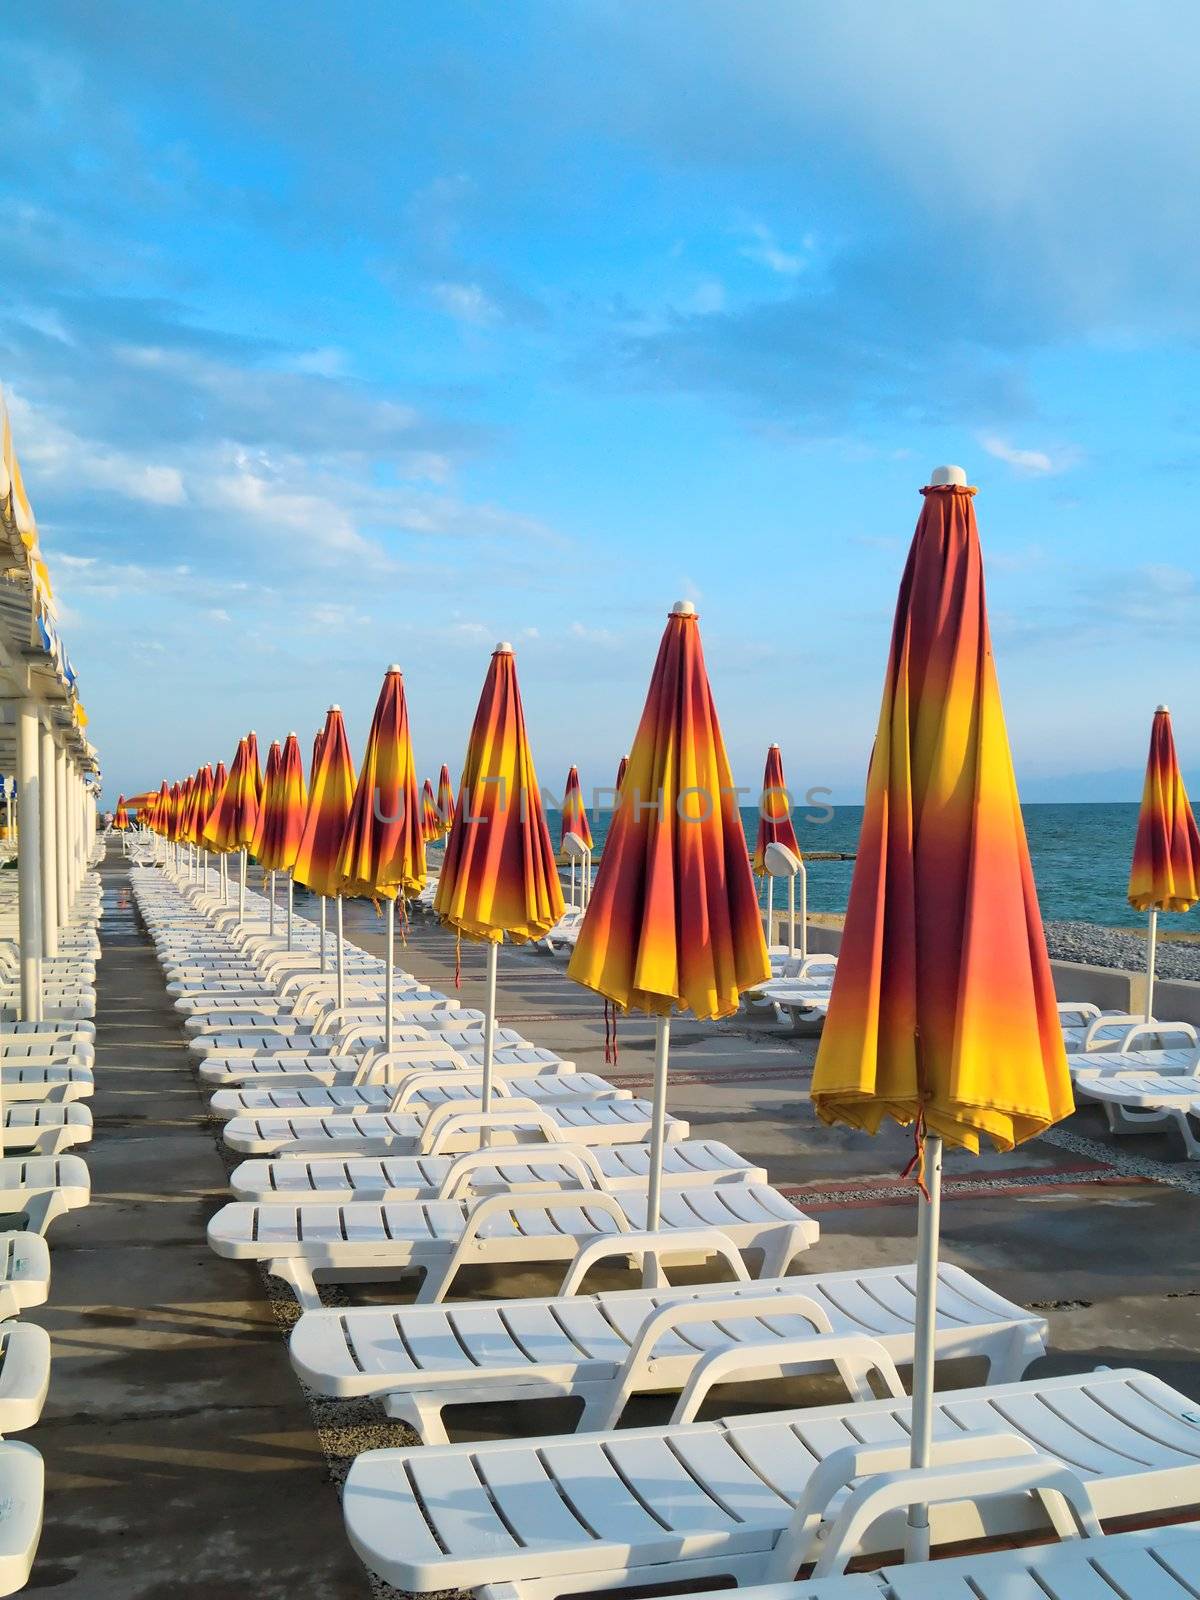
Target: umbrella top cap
x,y
503,648
1165,709
393,667
683,608
335,708
941,477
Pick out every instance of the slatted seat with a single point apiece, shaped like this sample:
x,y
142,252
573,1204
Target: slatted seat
x,y
24,1272
543,1089
24,1375
366,1026
279,1018
365,1239
57,1082
590,1122
509,1058
422,1358
701,1500
43,1187
338,1178
46,1052
22,1491
1147,1102
46,1127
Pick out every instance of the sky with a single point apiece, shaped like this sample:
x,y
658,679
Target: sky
x,y
342,336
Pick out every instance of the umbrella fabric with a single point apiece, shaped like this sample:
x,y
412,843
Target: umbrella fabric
x,y
120,821
673,920
574,812
234,816
281,819
1165,875
269,786
943,1009
316,757
622,768
178,804
499,876
774,812
329,802
383,851
201,806
253,764
162,810
445,801
431,822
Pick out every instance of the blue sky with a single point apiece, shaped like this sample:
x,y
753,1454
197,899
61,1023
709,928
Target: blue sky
x,y
338,336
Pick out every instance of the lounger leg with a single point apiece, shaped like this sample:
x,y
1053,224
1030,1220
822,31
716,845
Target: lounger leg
x,y
43,1209
780,1248
422,1414
1011,1353
299,1279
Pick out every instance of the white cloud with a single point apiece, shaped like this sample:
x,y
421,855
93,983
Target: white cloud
x,y
61,456
1030,463
466,302
218,614
707,298
761,247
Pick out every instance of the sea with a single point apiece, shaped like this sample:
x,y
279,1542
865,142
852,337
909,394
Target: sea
x,y
1080,857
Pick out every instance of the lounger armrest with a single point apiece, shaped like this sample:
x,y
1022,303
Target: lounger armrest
x,y
355,1033
1083,1010
798,1542
1183,1030
392,1068
641,1367
680,1241
457,1116
811,963
582,1164
1055,1485
1106,1020
473,1246
415,1083
854,1355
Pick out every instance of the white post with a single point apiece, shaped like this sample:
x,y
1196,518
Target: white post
x,y
770,907
324,908
341,957
49,823
803,911
792,915
271,892
291,887
224,879
1151,947
929,1222
242,888
489,1025
29,888
389,975
63,845
652,1274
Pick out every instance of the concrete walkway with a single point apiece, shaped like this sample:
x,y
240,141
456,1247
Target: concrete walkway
x,y
180,1454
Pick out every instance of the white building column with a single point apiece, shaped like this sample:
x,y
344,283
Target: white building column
x,y
62,792
29,886
48,832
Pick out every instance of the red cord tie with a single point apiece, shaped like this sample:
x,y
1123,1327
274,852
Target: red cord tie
x,y
457,960
916,1167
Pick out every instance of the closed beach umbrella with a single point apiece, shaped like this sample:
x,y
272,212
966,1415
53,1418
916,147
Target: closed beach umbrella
x,y
270,786
234,817
120,820
1165,873
162,810
198,814
329,800
673,922
943,1013
498,876
445,800
383,849
281,817
775,828
252,762
575,826
431,822
316,757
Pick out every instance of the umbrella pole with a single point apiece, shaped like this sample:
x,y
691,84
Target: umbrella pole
x,y
339,957
271,892
1151,946
324,907
803,912
489,1027
652,1273
792,915
291,887
242,888
389,972
573,905
770,908
929,1224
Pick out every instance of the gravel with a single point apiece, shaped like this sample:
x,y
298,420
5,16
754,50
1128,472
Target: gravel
x,y
1116,947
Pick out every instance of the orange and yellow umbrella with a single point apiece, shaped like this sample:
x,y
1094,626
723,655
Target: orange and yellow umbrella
x,y
1165,873
329,800
121,819
316,757
201,805
774,812
431,822
382,851
673,920
943,1012
253,764
574,813
445,801
179,797
162,810
281,817
499,875
234,816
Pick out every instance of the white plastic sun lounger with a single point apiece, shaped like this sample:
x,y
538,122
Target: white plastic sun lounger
x,y
1149,1102
24,1375
362,1027
447,1129
745,1497
318,1014
24,1272
57,1083
374,1240
1123,1031
417,1088
22,1490
377,1067
627,1166
42,1188
46,1128
1093,1064
605,1348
